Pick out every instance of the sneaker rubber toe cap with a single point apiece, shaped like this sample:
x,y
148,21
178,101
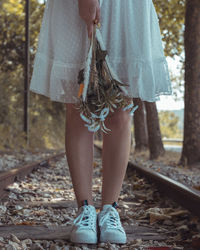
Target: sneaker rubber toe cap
x,y
113,236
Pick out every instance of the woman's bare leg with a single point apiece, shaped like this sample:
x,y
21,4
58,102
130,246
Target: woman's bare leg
x,y
79,152
115,154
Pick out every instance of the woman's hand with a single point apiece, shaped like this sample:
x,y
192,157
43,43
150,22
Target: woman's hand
x,y
89,10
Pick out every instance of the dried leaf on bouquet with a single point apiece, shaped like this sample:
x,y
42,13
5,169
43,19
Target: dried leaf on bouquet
x,y
99,93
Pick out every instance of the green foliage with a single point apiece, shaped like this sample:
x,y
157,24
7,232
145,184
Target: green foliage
x,y
12,35
47,118
171,15
169,124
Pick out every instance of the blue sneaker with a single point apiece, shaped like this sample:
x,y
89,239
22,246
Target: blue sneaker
x,y
110,225
84,228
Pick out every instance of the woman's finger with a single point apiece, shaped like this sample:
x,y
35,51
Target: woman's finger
x,y
90,30
98,15
95,21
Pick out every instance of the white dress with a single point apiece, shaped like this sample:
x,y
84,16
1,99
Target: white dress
x,y
131,35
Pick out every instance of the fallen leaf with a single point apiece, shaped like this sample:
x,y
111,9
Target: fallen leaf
x,y
156,217
196,187
179,212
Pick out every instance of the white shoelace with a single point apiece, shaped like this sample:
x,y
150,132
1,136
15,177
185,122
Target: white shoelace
x,y
86,218
112,219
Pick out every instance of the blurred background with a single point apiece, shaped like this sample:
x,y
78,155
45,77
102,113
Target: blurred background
x,y
29,121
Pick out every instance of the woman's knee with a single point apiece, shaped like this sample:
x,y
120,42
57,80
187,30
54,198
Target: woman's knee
x,y
73,117
119,119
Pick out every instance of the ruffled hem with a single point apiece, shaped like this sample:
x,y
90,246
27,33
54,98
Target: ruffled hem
x,y
147,79
58,81
55,80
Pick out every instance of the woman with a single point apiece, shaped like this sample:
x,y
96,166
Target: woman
x,y
131,35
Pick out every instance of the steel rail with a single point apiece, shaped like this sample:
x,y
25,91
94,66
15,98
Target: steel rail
x,y
185,195
10,176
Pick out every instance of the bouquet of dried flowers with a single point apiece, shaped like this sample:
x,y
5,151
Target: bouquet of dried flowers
x,y
99,93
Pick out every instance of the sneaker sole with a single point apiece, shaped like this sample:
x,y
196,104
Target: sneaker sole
x,y
84,241
112,241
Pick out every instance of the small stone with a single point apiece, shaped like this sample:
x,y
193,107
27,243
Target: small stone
x,y
102,244
74,248
36,246
14,238
14,245
54,247
65,248
10,247
13,196
85,248
2,209
46,195
45,244
183,228
27,241
18,207
2,239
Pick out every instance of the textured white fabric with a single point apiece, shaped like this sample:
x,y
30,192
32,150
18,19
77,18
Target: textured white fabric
x,y
131,35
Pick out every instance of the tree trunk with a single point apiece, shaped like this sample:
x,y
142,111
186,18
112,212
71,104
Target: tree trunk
x,y
191,140
140,126
155,141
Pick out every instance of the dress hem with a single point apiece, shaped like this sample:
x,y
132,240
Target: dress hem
x,y
58,80
157,97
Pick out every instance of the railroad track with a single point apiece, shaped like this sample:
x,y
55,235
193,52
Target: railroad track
x,y
18,173
34,230
186,196
10,176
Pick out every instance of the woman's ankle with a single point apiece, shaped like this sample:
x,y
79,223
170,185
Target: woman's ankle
x,y
85,202
113,203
